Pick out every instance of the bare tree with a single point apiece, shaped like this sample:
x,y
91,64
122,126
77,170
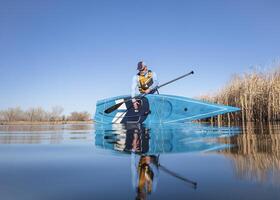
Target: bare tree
x,y
56,112
79,116
36,114
2,116
12,114
30,114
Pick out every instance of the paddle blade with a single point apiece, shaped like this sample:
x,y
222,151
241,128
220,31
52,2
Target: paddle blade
x,y
113,108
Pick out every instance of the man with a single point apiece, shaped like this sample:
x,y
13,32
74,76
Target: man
x,y
144,166
144,82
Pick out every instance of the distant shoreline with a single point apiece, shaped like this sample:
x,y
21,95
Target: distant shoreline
x,y
45,122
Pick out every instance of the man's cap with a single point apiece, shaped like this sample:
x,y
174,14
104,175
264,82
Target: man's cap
x,y
140,65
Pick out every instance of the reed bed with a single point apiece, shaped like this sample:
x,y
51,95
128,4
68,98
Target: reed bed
x,y
256,93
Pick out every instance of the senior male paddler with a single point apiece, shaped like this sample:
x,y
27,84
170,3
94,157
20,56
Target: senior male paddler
x,y
143,82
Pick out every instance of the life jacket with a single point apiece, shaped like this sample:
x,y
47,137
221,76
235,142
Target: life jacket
x,y
145,81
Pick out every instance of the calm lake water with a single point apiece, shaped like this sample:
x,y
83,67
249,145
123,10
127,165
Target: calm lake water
x,y
178,161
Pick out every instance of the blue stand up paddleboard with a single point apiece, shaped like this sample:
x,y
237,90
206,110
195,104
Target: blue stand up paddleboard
x,y
157,108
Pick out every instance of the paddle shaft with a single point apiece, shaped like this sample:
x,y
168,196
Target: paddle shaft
x,y
176,79
164,84
193,183
116,106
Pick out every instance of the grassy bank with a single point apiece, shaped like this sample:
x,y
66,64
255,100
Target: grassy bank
x,y
257,94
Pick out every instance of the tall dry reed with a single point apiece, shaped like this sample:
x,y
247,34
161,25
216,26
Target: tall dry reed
x,y
257,94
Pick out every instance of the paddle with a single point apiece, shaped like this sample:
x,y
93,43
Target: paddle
x,y
193,183
116,106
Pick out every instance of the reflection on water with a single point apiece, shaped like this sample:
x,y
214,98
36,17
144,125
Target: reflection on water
x,y
178,138
256,154
158,161
44,134
146,143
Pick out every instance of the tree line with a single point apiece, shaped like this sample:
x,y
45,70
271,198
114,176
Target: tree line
x,y
38,114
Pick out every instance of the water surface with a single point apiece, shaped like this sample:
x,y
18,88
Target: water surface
x,y
180,161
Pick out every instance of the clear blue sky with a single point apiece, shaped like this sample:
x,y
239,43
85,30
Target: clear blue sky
x,y
72,53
